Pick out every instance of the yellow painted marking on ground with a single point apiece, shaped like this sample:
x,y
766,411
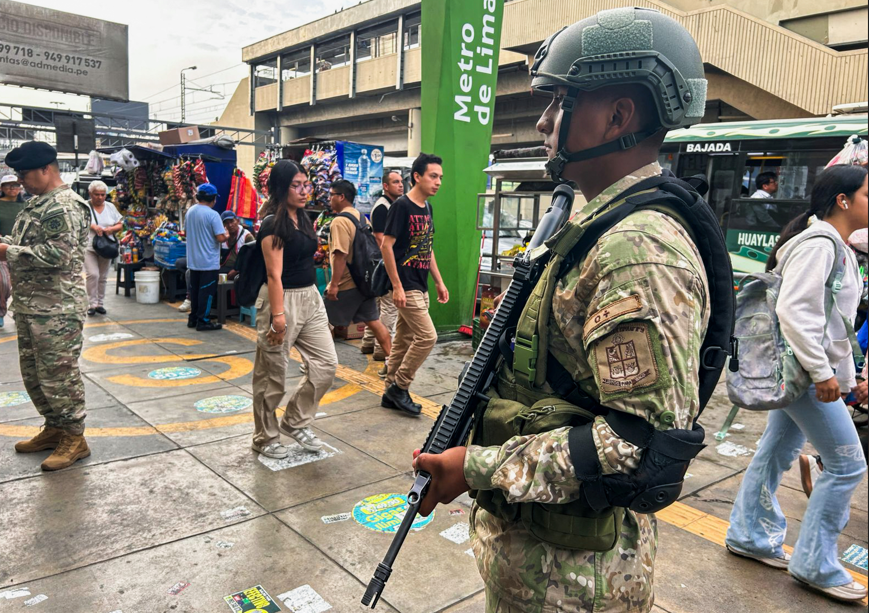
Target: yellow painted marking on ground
x,y
713,529
99,353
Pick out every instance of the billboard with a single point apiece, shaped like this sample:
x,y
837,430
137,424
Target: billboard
x,y
459,81
362,165
59,51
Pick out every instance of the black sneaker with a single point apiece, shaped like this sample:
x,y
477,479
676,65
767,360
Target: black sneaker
x,y
208,326
100,310
399,399
92,312
191,321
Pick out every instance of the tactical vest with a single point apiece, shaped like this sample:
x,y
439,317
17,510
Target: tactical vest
x,y
520,406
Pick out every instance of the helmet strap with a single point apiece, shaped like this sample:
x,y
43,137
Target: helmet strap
x,y
557,165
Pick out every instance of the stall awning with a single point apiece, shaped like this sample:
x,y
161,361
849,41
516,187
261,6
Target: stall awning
x,y
141,153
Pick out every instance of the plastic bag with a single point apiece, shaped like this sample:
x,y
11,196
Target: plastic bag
x,y
856,152
125,159
95,164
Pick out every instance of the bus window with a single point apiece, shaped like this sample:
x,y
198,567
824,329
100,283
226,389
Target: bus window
x,y
798,172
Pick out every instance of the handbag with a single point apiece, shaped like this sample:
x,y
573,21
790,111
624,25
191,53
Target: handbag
x,y
104,246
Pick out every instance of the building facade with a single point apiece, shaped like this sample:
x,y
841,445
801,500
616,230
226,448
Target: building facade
x,y
355,75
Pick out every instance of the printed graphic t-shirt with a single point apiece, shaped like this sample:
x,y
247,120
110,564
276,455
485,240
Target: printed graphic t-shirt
x,y
413,229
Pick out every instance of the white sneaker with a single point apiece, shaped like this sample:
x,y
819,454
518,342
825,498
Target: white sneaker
x,y
779,563
306,438
851,592
275,451
185,306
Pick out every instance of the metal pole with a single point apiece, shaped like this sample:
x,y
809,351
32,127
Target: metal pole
x,y
183,98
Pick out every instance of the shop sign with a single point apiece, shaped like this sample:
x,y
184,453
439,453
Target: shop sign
x,y
50,49
708,148
750,249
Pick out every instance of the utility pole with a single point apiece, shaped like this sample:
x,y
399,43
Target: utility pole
x,y
184,93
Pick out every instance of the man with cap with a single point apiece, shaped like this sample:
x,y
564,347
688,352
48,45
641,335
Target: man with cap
x,y
45,252
623,320
205,233
236,236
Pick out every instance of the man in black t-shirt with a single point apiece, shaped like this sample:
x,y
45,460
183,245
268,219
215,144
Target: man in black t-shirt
x,y
408,253
393,189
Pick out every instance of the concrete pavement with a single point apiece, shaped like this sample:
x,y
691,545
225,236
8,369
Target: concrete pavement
x,y
174,512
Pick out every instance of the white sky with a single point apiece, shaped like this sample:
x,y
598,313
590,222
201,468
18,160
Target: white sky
x,y
168,35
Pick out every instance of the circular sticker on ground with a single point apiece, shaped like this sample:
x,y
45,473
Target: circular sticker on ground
x,y
384,512
13,399
174,373
222,405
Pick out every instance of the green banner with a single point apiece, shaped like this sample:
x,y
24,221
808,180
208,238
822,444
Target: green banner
x,y
461,40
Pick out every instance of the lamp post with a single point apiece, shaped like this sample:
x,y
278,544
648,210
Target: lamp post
x,y
184,93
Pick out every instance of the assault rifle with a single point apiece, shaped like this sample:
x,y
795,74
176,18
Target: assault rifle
x,y
454,423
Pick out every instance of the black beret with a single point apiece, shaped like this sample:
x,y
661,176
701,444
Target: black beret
x,y
30,155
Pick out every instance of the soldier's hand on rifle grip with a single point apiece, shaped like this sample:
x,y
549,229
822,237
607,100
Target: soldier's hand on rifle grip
x,y
498,300
447,472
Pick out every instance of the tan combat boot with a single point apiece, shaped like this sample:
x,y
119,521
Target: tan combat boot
x,y
71,449
48,438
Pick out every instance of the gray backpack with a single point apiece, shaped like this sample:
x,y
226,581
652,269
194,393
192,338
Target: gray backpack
x,y
769,376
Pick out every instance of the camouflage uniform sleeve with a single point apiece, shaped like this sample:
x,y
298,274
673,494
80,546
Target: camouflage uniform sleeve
x,y
642,331
646,316
60,229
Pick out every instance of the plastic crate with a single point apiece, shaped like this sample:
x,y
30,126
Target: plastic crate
x,y
166,253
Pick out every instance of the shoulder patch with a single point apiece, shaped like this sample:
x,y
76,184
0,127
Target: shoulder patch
x,y
631,304
55,224
630,359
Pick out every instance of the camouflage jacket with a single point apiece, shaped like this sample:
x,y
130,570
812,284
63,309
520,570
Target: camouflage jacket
x,y
632,316
46,255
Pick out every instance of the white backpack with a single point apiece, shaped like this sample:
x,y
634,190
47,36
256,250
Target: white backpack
x,y
769,376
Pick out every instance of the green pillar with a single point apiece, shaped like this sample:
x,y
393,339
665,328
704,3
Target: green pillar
x,y
461,41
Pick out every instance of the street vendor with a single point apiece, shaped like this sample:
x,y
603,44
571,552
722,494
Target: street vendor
x,y
236,236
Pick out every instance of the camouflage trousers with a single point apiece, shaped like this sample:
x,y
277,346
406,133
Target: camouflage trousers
x,y
48,351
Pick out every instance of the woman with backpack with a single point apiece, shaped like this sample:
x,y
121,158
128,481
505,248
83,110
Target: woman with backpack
x,y
821,345
290,313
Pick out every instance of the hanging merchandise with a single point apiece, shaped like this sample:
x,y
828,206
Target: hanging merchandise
x,y
95,164
855,153
243,199
261,170
322,169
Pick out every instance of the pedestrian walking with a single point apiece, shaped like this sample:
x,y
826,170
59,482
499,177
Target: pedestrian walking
x,y
393,189
820,344
345,303
290,313
408,253
45,252
205,233
11,203
626,321
105,221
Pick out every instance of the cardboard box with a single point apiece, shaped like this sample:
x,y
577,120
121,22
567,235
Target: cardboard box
x,y
355,331
179,136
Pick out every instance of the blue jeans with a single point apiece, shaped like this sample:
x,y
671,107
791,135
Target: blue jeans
x,y
757,524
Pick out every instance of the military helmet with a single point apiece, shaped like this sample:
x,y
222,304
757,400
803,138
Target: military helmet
x,y
628,46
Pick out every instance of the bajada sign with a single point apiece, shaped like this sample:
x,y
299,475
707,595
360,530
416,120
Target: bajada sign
x,y
59,51
709,148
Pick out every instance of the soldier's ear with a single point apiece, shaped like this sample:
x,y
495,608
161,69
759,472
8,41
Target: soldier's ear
x,y
623,111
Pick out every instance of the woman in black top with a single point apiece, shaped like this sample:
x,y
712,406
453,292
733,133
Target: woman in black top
x,y
290,313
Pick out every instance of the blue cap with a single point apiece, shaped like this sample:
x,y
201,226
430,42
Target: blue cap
x,y
206,189
228,215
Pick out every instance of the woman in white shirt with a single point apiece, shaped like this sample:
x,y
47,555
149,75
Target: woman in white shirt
x,y
105,221
757,524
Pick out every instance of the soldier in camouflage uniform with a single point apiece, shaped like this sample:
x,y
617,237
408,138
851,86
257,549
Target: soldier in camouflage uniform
x,y
629,317
46,256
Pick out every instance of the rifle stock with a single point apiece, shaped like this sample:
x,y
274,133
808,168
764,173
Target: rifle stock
x,y
453,425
